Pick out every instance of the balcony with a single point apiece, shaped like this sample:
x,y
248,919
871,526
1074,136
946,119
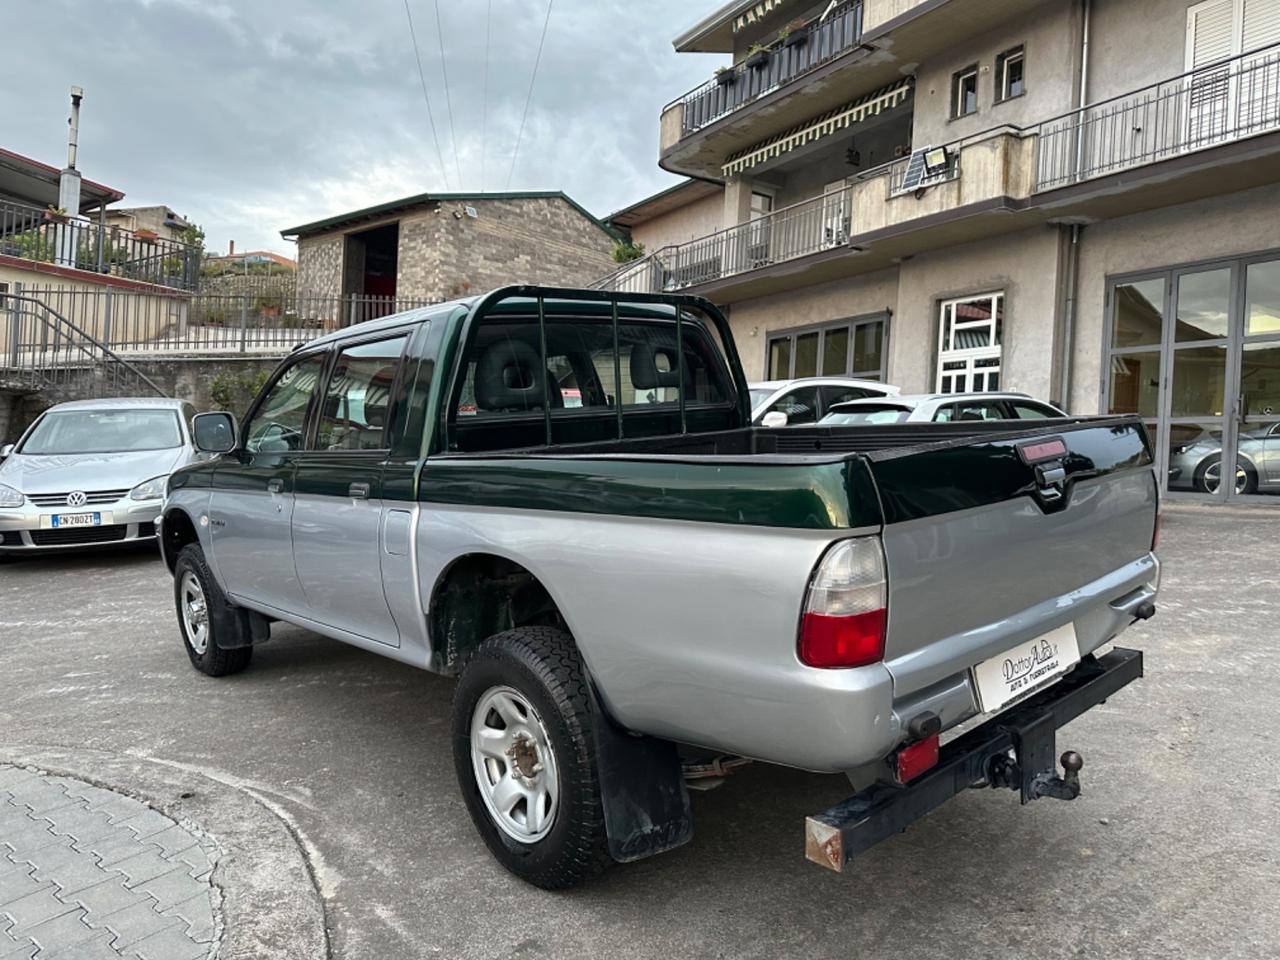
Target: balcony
x,y
47,237
1229,101
783,61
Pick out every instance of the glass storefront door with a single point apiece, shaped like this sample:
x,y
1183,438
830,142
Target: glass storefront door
x,y
1195,351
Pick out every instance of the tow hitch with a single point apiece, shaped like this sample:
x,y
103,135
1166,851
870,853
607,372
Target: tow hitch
x,y
1013,750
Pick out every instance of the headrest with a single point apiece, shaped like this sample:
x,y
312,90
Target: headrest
x,y
645,374
509,376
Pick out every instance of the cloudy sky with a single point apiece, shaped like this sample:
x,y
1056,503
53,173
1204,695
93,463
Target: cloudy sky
x,y
248,117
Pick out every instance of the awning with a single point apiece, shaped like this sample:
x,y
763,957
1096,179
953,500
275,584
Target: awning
x,y
828,123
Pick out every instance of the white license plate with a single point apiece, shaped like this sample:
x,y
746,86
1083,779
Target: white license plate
x,y
76,520
1025,668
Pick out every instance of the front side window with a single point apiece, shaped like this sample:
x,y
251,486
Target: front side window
x,y
279,423
800,406
62,432
970,335
1009,74
353,413
964,92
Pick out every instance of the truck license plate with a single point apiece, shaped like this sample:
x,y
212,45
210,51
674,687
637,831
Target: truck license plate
x,y
1027,667
77,520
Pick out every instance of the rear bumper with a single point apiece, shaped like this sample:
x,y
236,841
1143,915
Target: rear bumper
x,y
1027,732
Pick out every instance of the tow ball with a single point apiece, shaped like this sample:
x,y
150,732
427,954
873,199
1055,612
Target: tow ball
x,y
1004,771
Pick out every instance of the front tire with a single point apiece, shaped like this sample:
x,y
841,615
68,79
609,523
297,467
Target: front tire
x,y
205,616
524,755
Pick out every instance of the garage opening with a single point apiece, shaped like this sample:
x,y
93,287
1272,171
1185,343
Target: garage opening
x,y
369,272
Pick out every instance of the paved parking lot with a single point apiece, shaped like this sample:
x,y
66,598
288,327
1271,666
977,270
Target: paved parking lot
x,y
323,774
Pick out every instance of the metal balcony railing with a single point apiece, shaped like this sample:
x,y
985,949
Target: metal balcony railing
x,y
785,60
1225,101
47,236
795,231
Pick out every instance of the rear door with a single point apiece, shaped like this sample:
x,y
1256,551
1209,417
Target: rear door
x,y
983,553
251,508
337,515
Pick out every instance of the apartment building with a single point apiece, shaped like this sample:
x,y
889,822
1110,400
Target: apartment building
x,y
1079,199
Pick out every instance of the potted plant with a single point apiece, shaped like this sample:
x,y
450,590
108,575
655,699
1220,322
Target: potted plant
x,y
147,236
55,214
725,76
794,34
757,56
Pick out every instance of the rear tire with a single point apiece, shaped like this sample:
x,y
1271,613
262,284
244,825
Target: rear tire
x,y
205,616
524,755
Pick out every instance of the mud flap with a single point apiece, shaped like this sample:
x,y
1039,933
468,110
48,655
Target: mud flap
x,y
255,627
646,805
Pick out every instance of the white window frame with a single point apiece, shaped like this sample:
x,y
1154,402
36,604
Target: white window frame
x,y
1016,54
973,362
957,96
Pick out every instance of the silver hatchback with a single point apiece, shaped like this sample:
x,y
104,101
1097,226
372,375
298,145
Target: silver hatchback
x,y
91,472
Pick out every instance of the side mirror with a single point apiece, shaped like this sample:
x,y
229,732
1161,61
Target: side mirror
x,y
6,450
774,418
214,432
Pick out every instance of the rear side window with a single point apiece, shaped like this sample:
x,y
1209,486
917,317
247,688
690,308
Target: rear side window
x,y
278,424
973,410
357,400
832,395
1025,410
800,405
865,414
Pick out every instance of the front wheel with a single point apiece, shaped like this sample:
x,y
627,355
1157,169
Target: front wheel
x,y
205,615
525,758
1244,481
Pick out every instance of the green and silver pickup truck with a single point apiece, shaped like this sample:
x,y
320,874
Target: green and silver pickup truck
x,y
558,496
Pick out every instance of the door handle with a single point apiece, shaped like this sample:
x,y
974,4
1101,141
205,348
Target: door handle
x,y
359,491
275,485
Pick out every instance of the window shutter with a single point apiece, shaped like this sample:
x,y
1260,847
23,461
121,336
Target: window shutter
x,y
1261,23
1210,32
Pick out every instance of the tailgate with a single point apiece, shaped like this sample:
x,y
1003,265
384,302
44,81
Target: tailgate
x,y
993,542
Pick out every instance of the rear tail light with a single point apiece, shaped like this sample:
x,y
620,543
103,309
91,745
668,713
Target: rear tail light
x,y
845,615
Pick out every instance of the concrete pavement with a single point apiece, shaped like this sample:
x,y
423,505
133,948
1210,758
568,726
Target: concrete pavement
x,y
324,775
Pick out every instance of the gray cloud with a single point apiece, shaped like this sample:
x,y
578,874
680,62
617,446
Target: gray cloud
x,y
249,117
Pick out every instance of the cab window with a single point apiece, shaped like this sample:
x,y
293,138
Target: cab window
x,y
279,423
357,399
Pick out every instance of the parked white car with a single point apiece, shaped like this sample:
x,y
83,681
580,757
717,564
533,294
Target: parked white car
x,y
807,399
939,408
91,472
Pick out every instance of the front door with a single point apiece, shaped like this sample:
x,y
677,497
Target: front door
x,y
1196,352
336,519
251,508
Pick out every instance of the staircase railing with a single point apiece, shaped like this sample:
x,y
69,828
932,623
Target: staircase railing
x,y
41,348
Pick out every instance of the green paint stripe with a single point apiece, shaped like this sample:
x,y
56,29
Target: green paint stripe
x,y
827,496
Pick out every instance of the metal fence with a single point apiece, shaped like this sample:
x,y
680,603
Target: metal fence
x,y
795,231
1229,100
135,322
781,62
31,233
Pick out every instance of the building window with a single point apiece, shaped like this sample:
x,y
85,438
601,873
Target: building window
x,y
964,92
846,348
970,331
1009,74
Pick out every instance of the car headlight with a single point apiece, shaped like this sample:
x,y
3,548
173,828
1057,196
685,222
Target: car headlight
x,y
10,497
152,489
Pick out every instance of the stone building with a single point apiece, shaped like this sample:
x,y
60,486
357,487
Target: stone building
x,y
1079,199
435,247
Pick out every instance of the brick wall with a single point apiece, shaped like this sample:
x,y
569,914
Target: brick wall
x,y
320,265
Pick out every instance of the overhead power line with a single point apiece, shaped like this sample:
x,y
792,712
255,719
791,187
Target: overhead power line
x,y
484,112
533,77
448,101
425,96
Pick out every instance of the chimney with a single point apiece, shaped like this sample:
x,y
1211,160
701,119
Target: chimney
x,y
231,248
69,187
